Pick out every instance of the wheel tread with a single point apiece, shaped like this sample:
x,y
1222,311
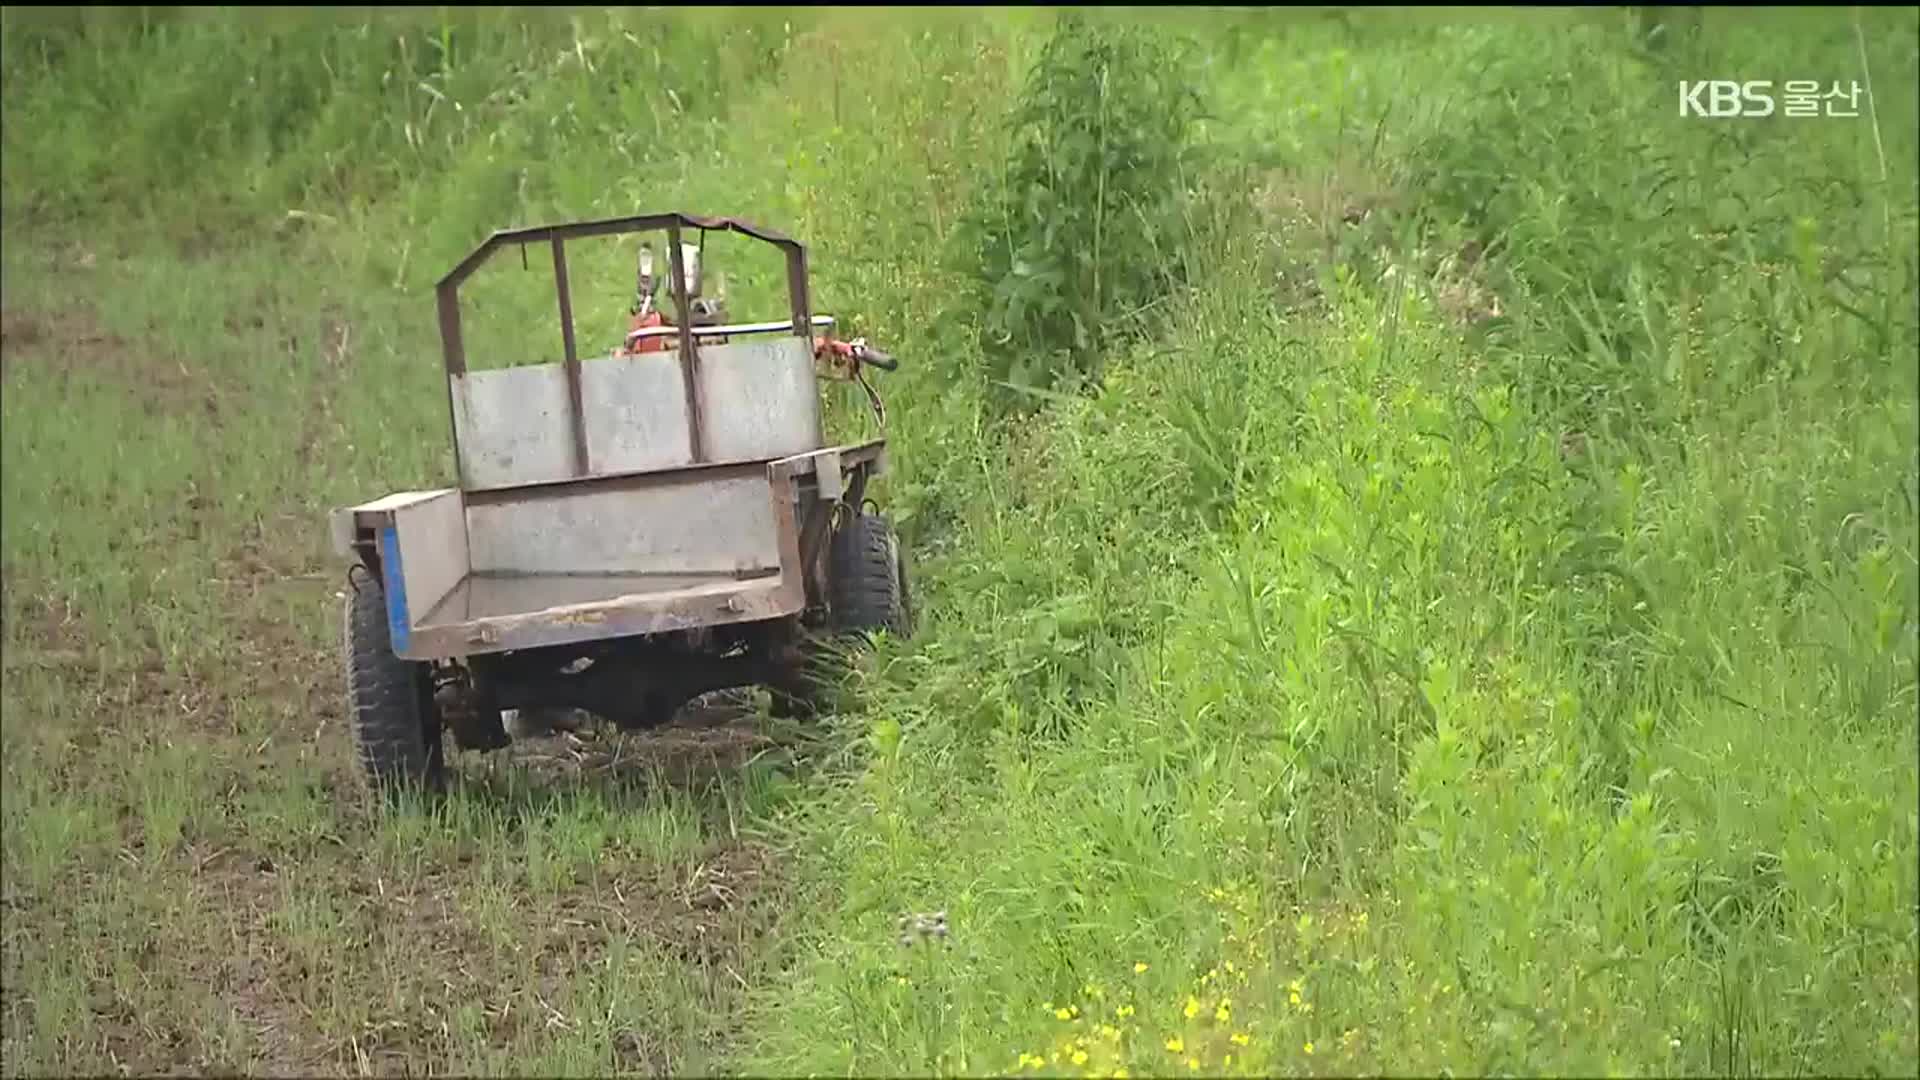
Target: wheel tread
x,y
393,736
868,594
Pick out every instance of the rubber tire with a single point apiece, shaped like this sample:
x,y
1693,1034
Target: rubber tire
x,y
390,709
867,580
866,591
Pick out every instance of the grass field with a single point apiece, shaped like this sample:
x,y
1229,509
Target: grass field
x,y
1446,600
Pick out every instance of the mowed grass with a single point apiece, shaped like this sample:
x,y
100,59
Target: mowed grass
x,y
194,879
1472,629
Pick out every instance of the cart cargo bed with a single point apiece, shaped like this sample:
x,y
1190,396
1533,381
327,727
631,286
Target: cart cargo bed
x,y
554,564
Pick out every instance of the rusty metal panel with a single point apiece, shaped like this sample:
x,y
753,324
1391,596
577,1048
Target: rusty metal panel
x,y
637,223
759,399
721,522
636,413
512,425
576,414
848,457
453,349
687,356
717,601
826,474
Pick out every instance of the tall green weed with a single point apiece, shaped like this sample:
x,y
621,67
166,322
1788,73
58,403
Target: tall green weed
x,y
1083,235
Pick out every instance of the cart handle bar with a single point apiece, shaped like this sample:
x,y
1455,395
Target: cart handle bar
x,y
730,328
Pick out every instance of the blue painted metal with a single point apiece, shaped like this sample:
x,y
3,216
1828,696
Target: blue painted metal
x,y
398,625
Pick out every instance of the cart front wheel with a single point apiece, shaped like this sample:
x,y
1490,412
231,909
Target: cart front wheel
x,y
390,706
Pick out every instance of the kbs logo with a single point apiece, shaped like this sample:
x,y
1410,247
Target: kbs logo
x,y
1724,97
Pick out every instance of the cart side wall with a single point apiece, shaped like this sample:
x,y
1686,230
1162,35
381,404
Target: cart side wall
x,y
757,400
717,521
421,537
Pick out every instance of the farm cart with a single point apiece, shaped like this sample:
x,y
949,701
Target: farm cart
x,y
629,530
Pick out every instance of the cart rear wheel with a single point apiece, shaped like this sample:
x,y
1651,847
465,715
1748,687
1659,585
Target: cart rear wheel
x,y
867,592
390,706
868,578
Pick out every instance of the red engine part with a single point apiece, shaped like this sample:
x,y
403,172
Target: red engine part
x,y
656,343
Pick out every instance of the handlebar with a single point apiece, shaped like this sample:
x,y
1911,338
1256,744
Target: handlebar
x,y
723,329
857,351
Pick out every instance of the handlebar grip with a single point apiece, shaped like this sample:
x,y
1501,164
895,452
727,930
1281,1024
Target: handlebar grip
x,y
879,359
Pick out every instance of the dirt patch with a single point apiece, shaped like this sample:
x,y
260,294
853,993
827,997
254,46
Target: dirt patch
x,y
70,334
1458,283
1344,216
1313,221
1322,204
714,734
69,341
396,947
19,330
47,631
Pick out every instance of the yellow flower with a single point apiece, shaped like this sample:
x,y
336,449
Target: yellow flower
x,y
1193,1007
1063,1013
1229,967
1123,1011
1176,1044
1308,1048
1240,1038
1079,1057
1139,969
1223,1013
1193,1064
1120,1073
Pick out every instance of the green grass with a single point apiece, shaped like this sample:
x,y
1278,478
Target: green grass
x,y
1472,628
